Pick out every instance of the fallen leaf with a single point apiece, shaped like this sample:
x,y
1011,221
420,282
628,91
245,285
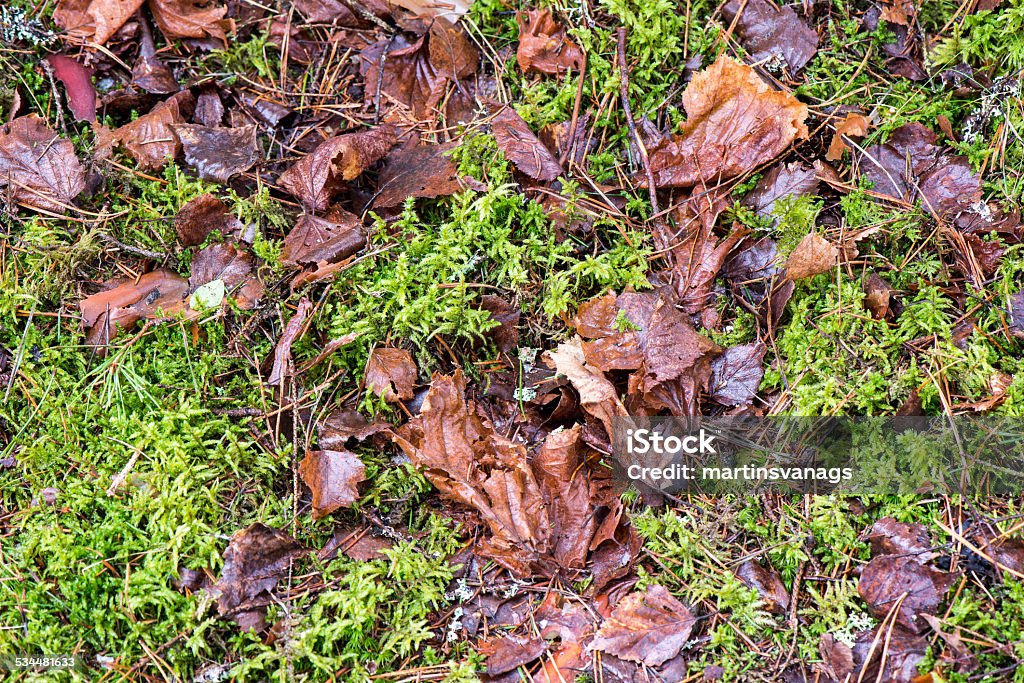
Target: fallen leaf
x,y
783,180
888,578
218,153
813,256
853,126
736,375
342,428
544,46
891,537
1015,314
506,335
1006,549
332,238
37,167
191,19
149,72
421,171
77,81
327,12
734,123
902,12
127,302
209,109
391,373
650,627
767,583
201,216
877,296
767,33
95,20
449,9
897,652
150,139
508,653
233,266
522,148
282,367
837,656
316,178
254,561
333,477
598,395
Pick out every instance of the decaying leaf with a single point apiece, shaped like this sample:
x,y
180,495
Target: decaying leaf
x,y
734,123
191,19
449,9
597,394
544,46
77,80
853,126
422,171
254,561
650,627
783,180
814,255
150,139
891,537
877,296
317,177
201,216
508,653
769,33
218,153
521,147
888,579
736,374
231,265
332,238
767,583
94,20
333,478
37,167
283,367
127,302
390,373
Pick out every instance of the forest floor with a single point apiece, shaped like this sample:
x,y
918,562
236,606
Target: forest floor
x,y
316,317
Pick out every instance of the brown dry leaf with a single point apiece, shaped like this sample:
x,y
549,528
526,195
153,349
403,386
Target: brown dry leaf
x,y
544,46
735,122
449,9
391,373
124,304
201,216
767,583
508,653
598,395
339,429
891,537
888,578
421,171
38,167
254,561
853,126
218,153
333,477
197,19
813,256
332,238
150,139
77,81
769,34
1006,549
736,375
902,12
649,627
283,366
783,180
94,20
522,148
877,296
327,12
318,176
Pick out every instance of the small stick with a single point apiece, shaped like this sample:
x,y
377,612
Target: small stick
x,y
624,83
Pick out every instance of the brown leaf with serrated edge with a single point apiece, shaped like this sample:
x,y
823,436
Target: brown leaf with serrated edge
x,y
768,33
508,653
282,367
649,627
889,578
813,256
853,126
318,176
218,153
767,583
38,167
201,216
191,19
333,477
468,461
891,537
150,139
332,238
254,561
735,122
544,46
783,180
598,395
522,148
736,375
94,20
421,171
127,302
77,81
391,373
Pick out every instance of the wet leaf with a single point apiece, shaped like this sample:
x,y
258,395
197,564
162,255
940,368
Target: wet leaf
x,y
343,428
522,148
150,139
506,335
544,46
649,627
877,296
888,578
77,81
853,126
783,180
316,178
326,12
450,9
814,255
218,153
333,477
94,20
736,375
734,123
296,327
897,652
254,561
391,373
126,302
191,19
37,167
598,395
421,171
201,216
891,537
767,583
230,264
510,652
209,109
332,238
767,33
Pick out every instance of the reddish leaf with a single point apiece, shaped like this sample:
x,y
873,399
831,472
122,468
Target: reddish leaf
x,y
510,652
150,139
233,266
218,153
783,180
327,12
813,256
201,216
543,45
94,20
77,81
37,167
734,123
649,627
333,477
853,126
191,19
125,304
148,72
521,147
736,374
391,373
890,537
422,171
767,583
767,33
316,178
877,296
254,561
332,238
888,578
282,367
